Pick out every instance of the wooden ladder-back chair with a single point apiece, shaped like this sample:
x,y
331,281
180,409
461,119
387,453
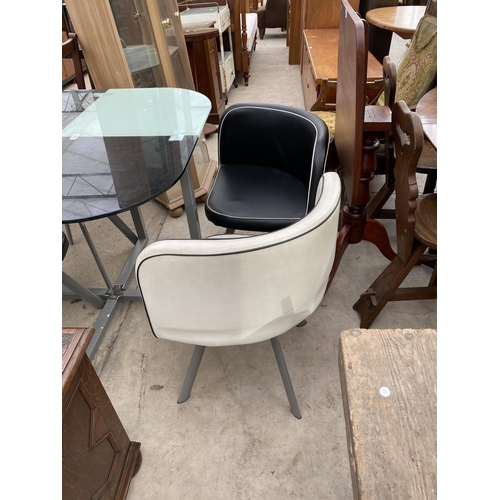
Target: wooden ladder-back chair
x,y
416,223
356,128
71,48
325,109
416,74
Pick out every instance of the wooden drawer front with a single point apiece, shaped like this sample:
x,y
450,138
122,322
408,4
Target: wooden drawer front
x,y
227,68
224,18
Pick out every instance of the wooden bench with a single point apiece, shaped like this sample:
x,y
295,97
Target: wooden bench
x,y
389,387
320,60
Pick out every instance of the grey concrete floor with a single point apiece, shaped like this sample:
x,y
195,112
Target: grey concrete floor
x,y
235,438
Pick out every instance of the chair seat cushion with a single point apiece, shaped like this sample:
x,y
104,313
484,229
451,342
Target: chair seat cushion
x,y
255,198
329,118
426,220
428,159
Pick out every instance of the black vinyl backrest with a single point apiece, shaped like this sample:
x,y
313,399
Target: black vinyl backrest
x,y
275,136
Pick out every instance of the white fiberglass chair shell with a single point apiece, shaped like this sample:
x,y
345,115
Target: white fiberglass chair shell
x,y
236,289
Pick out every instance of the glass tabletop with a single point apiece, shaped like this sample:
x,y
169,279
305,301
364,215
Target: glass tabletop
x,y
124,147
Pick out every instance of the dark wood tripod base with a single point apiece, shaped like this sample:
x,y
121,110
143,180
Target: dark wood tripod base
x,y
355,223
369,230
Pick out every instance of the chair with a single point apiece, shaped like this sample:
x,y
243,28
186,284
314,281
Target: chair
x,y
273,14
416,223
326,110
71,48
271,158
239,289
416,75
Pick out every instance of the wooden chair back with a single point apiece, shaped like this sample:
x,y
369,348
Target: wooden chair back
x,y
70,47
416,224
351,91
408,143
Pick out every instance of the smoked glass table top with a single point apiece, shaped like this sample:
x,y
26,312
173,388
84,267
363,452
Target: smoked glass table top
x,y
124,147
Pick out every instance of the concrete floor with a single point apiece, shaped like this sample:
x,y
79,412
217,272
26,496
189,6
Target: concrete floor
x,y
235,438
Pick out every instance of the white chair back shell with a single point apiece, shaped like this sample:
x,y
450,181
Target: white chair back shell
x,y
235,291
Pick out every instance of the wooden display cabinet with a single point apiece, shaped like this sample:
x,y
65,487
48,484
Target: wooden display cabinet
x,y
140,43
201,42
193,13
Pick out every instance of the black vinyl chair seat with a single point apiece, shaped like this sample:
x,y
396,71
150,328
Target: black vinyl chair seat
x,y
269,179
256,198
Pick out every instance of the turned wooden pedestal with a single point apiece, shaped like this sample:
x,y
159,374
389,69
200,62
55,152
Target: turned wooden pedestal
x,y
98,459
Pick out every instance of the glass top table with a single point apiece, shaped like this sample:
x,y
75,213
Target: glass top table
x,y
120,149
124,147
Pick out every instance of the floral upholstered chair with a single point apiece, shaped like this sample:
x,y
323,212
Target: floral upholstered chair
x,y
417,71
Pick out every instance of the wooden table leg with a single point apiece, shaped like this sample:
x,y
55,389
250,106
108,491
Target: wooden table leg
x,y
355,225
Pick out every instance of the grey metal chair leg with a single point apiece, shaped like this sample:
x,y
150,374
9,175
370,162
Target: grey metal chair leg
x,y
194,364
294,407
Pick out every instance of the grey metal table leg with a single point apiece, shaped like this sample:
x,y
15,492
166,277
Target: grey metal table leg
x,y
119,291
69,235
80,291
97,259
194,364
294,407
190,204
107,299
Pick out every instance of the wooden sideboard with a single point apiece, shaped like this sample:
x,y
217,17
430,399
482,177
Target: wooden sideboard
x,y
98,459
320,60
315,38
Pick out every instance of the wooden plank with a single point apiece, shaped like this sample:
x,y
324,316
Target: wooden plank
x,y
74,344
323,48
388,380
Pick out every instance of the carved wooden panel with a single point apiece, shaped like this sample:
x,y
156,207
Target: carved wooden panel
x,y
98,459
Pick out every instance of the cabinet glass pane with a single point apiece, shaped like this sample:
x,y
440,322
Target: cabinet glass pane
x,y
172,31
133,24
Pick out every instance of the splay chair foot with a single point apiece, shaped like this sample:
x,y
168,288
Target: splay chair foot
x,y
194,364
278,352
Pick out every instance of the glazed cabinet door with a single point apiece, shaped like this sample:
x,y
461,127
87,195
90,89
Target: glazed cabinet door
x,y
132,43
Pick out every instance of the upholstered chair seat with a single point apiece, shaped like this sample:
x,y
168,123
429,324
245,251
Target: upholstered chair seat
x,y
270,181
272,14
